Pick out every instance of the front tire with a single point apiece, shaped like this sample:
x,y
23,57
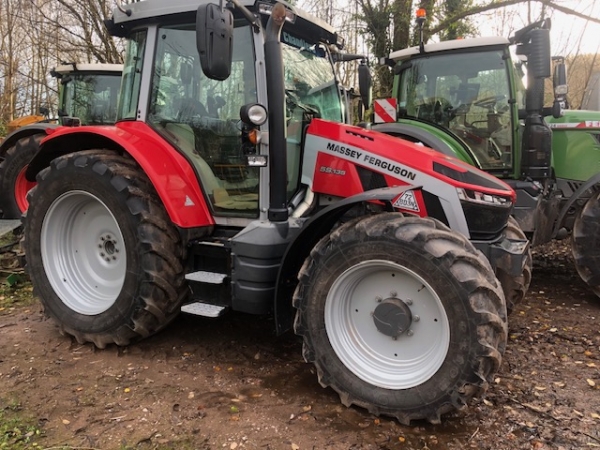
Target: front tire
x,y
401,316
585,243
13,184
515,288
101,252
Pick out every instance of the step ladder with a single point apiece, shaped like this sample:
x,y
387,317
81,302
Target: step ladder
x,y
200,308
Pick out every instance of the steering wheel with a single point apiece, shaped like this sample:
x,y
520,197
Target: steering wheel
x,y
443,112
489,102
189,107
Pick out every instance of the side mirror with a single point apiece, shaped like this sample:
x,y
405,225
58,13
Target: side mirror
x,y
365,84
559,80
214,40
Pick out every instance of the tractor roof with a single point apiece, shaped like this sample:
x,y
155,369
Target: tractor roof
x,y
146,11
457,44
76,67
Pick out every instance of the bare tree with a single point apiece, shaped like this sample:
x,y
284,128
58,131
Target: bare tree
x,y
446,20
37,35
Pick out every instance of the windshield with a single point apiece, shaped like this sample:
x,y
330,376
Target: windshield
x,y
310,83
467,93
92,98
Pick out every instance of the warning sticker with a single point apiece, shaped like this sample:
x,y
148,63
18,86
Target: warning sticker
x,y
407,201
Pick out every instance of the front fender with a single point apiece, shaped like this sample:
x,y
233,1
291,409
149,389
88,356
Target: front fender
x,y
171,174
23,132
312,231
437,138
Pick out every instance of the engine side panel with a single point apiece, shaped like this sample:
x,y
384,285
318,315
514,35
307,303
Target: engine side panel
x,y
337,156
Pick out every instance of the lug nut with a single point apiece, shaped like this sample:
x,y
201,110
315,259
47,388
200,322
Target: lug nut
x,y
410,332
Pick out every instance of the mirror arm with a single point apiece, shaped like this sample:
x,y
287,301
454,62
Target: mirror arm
x,y
251,18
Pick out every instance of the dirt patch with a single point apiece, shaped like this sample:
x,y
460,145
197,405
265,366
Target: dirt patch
x,y
230,383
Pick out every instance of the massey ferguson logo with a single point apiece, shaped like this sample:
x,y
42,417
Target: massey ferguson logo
x,y
407,201
365,158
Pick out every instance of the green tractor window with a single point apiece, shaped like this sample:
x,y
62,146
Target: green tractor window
x,y
473,104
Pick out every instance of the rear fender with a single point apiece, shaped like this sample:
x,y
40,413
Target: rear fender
x,y
312,231
23,132
171,174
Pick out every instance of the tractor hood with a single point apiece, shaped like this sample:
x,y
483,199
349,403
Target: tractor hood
x,y
575,119
399,161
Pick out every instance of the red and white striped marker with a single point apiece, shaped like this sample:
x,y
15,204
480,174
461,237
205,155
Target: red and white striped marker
x,y
384,110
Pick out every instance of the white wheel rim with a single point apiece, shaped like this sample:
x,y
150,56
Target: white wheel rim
x,y
405,362
83,252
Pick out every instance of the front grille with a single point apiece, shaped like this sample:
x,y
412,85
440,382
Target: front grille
x,y
485,222
370,180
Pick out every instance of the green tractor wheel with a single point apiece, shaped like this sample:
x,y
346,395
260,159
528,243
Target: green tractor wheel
x,y
585,242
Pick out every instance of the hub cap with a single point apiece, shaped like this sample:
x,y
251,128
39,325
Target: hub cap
x,y
396,343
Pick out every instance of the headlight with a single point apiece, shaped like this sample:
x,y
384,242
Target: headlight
x,y
253,114
479,197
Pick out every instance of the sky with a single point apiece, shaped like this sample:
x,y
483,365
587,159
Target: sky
x,y
568,33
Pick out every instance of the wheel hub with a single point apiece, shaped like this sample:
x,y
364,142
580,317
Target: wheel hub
x,y
392,317
108,249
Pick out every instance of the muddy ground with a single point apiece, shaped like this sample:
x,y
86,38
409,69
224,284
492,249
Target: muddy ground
x,y
230,383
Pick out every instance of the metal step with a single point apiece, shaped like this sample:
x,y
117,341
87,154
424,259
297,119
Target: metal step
x,y
7,225
206,277
203,309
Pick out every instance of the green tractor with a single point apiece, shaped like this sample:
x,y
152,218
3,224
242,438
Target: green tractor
x,y
482,100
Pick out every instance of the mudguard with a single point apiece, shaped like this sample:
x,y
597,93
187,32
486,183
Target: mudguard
x,y
312,231
23,132
171,174
422,132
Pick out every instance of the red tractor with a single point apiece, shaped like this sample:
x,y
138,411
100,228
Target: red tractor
x,y
87,95
230,182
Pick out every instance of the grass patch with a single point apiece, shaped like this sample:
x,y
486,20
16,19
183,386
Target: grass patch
x,y
15,296
16,430
15,287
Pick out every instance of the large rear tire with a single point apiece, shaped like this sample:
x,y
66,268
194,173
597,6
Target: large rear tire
x,y
102,254
515,288
585,243
13,184
401,316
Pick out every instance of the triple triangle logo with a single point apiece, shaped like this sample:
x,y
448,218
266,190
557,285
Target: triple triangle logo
x,y
407,201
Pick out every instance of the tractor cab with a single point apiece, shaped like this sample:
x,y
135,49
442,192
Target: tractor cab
x,y
473,101
168,89
88,93
471,94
